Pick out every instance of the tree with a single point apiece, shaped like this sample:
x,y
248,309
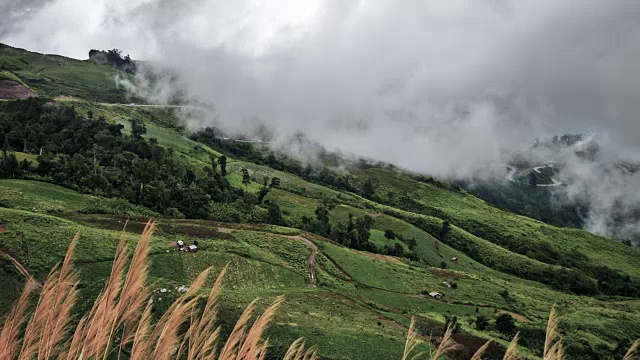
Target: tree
x,y
322,217
275,215
275,182
138,128
444,231
398,250
411,243
214,164
11,166
361,233
25,165
261,194
222,161
246,179
505,295
443,265
389,234
368,190
5,146
482,322
271,160
505,324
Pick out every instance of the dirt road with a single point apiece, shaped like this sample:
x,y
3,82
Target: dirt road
x,y
311,260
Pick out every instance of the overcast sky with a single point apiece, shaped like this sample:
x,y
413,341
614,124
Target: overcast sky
x,y
434,86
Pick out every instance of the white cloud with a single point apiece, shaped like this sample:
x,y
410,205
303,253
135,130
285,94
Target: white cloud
x,y
434,86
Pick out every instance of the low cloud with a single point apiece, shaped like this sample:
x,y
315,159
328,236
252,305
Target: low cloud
x,y
433,86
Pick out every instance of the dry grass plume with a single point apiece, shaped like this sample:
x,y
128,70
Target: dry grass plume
x,y
120,323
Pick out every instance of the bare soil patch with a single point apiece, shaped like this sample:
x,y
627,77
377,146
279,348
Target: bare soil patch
x,y
311,261
447,273
194,230
3,228
386,258
516,316
10,89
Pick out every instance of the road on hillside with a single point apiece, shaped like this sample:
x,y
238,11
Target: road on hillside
x,y
511,171
554,181
311,260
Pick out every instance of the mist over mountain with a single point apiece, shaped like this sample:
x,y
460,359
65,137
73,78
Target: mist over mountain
x,y
577,180
435,87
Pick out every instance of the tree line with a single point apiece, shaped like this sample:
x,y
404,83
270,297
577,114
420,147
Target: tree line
x,y
93,156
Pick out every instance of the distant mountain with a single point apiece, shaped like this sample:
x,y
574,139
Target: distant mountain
x,y
567,180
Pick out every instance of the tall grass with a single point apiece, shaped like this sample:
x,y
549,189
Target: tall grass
x,y
633,352
553,347
119,324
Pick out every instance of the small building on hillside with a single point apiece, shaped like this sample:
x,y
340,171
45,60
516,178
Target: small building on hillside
x,y
435,295
454,259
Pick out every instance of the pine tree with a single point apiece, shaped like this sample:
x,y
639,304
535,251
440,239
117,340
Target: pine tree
x,y
222,161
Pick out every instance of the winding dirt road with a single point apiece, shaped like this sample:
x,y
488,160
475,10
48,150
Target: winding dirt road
x,y
311,260
554,182
511,171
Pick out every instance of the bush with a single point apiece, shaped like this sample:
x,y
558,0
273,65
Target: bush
x,y
505,324
482,322
174,213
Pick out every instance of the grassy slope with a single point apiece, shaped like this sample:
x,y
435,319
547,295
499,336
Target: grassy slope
x,y
298,197
53,75
261,264
503,228
356,286
41,197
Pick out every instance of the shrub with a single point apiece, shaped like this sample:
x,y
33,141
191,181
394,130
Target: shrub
x,y
482,322
505,324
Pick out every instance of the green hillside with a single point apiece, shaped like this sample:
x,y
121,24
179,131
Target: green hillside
x,y
386,238
52,75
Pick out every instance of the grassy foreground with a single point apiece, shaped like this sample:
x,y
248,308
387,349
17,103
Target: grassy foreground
x,y
121,320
